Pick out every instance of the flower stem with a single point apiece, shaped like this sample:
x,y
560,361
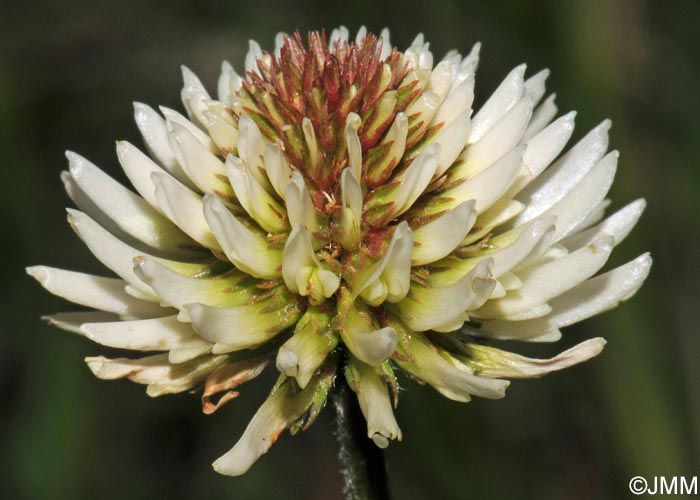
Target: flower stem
x,y
362,463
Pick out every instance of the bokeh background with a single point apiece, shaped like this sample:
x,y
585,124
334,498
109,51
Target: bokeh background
x,y
68,74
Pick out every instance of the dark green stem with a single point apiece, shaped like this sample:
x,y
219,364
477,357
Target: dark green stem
x,y
362,463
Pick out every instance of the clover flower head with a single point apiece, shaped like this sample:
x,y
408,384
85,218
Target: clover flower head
x,y
339,209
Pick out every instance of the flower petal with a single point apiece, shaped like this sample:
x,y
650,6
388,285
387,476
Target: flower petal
x,y
494,363
556,182
113,253
184,207
246,326
301,270
440,237
247,249
618,225
157,334
375,403
253,197
502,100
450,377
426,308
544,282
105,294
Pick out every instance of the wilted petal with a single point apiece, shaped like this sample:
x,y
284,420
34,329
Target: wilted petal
x,y
496,363
282,408
227,377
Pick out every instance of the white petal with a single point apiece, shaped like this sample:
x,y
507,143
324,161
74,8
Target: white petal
x,y
535,86
413,181
386,44
447,375
251,149
487,187
618,225
251,58
190,79
440,79
375,403
113,253
546,145
363,339
279,411
354,146
499,140
351,215
425,308
501,212
300,206
229,81
554,184
503,98
452,139
129,212
201,165
106,294
278,171
339,35
305,351
393,271
578,203
458,100
601,293
155,134
545,282
512,255
541,117
177,289
173,117
184,207
157,372
158,334
248,250
246,326
302,272
440,237
253,197
72,321
138,168
84,203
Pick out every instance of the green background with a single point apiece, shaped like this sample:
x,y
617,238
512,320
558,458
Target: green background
x,y
68,74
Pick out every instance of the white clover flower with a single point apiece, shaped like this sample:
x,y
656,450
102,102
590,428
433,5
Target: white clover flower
x,y
339,207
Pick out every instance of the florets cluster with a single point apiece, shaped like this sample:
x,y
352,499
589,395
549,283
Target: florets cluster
x,y
339,208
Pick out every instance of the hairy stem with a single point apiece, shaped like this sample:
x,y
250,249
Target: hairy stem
x,y
362,463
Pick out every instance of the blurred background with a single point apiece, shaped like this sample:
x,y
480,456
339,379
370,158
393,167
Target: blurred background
x,y
69,72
